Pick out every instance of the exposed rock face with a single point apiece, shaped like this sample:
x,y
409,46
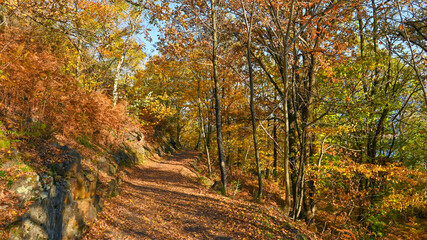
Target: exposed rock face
x,y
69,197
28,187
64,201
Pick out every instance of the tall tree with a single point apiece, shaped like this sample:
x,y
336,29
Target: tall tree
x,y
249,23
218,120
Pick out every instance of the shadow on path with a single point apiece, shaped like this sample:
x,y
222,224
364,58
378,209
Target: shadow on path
x,y
162,200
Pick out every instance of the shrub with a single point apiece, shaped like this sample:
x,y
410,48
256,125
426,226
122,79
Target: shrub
x,y
51,103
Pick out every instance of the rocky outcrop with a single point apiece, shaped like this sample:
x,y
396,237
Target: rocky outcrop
x,y
66,199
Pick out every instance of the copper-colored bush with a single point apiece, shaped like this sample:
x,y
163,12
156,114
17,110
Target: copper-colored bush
x,y
35,90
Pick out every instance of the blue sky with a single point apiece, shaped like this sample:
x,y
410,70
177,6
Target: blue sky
x,y
150,46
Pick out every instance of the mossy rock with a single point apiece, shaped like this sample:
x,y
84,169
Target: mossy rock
x,y
27,187
125,157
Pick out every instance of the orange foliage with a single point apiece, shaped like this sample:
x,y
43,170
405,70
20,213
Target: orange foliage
x,y
34,88
360,197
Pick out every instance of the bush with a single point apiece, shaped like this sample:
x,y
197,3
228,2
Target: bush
x,y
33,85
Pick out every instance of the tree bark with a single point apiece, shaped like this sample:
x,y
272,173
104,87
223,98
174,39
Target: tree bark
x,y
202,129
286,113
248,23
117,78
205,140
217,97
275,149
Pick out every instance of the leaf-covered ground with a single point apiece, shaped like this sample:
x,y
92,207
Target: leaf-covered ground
x,y
163,199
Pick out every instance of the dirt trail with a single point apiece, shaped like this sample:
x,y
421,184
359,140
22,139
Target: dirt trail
x,y
162,199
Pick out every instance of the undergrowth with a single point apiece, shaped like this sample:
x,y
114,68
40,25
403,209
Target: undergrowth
x,y
43,101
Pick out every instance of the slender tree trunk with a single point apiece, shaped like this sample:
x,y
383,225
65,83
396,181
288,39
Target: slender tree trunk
x,y
286,143
295,132
275,148
178,130
217,97
372,149
205,140
361,35
208,129
372,135
362,54
286,113
117,78
202,129
229,151
252,96
309,186
199,139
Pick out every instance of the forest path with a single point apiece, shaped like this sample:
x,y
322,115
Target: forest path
x,y
162,199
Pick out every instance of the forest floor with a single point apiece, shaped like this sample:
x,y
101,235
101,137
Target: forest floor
x,y
164,199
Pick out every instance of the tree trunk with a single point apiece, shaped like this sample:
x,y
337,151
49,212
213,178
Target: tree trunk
x,y
275,148
217,98
117,78
309,186
199,140
286,143
202,130
207,151
208,129
252,96
286,112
